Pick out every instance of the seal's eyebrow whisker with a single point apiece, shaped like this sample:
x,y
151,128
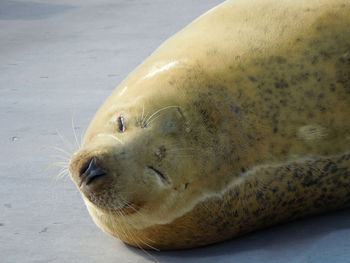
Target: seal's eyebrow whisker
x,y
143,110
156,112
144,121
148,123
143,116
137,118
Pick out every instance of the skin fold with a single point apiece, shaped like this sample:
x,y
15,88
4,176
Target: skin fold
x,y
239,121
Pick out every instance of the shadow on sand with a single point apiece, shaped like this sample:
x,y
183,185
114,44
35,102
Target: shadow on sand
x,y
270,244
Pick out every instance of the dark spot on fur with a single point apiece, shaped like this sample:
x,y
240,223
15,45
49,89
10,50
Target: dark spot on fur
x,y
252,79
326,167
277,59
284,152
281,84
160,153
314,60
246,211
260,197
291,187
208,120
274,190
308,180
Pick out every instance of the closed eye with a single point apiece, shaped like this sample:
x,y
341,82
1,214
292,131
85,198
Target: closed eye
x,y
121,124
160,174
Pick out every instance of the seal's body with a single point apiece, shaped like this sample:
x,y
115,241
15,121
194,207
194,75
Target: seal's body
x,y
238,122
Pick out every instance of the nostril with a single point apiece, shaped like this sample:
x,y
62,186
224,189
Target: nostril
x,y
85,167
90,172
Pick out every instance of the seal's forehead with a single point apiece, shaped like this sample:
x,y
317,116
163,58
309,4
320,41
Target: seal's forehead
x,y
123,105
163,66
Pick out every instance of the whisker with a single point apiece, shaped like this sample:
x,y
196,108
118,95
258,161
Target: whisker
x,y
128,234
148,245
59,164
120,225
153,120
75,134
60,157
63,169
62,173
143,121
143,110
82,135
65,140
137,118
135,238
127,204
57,149
164,108
143,117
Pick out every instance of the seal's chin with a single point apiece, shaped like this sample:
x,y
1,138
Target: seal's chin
x,y
128,209
117,206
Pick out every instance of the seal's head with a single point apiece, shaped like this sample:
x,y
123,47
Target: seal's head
x,y
149,158
129,164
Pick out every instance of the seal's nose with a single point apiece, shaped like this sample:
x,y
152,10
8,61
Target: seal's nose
x,y
91,173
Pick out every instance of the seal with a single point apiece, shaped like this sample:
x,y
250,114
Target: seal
x,y
238,122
